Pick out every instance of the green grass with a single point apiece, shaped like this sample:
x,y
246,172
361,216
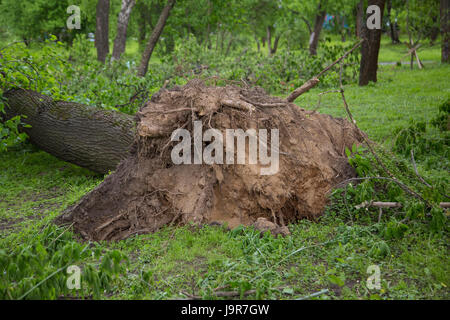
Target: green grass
x,y
399,96
396,52
332,253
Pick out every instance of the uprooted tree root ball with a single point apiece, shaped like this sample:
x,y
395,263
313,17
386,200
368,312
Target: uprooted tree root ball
x,y
148,191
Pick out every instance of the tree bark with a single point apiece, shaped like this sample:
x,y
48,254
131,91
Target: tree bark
x,y
445,32
370,49
435,30
102,30
275,44
92,138
318,24
143,67
122,26
269,41
229,45
359,18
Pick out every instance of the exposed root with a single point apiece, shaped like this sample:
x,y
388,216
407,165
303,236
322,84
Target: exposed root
x,y
148,191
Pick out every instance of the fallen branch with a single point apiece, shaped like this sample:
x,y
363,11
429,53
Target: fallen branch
x,y
315,80
417,172
241,105
221,294
341,87
400,184
314,295
304,88
380,204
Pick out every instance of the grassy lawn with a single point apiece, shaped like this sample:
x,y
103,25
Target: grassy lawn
x,y
399,96
395,52
332,253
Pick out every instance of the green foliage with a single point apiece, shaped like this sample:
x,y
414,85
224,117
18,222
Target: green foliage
x,y
442,121
280,73
22,68
423,16
424,142
32,20
36,269
372,188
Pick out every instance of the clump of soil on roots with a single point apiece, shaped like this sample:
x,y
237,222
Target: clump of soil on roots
x,y
148,191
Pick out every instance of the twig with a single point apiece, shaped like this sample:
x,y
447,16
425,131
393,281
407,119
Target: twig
x,y
314,295
417,172
343,96
226,294
393,178
320,97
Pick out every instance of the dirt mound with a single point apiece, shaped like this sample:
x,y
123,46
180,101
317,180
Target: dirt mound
x,y
148,191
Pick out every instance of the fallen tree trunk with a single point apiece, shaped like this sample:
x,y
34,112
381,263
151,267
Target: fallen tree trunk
x,y
92,138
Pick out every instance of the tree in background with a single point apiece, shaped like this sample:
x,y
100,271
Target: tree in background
x,y
146,55
318,24
122,26
370,49
393,28
37,19
102,30
445,11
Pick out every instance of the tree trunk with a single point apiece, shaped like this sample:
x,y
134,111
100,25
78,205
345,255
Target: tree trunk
x,y
370,49
409,34
269,41
258,45
229,45
359,18
275,44
393,29
92,138
318,24
102,30
208,28
343,31
122,26
146,55
445,5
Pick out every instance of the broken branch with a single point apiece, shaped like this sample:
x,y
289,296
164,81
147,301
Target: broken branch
x,y
315,80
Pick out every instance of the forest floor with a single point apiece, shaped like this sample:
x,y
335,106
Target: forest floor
x,y
332,253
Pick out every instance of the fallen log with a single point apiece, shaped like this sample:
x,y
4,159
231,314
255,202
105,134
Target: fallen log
x,y
92,138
